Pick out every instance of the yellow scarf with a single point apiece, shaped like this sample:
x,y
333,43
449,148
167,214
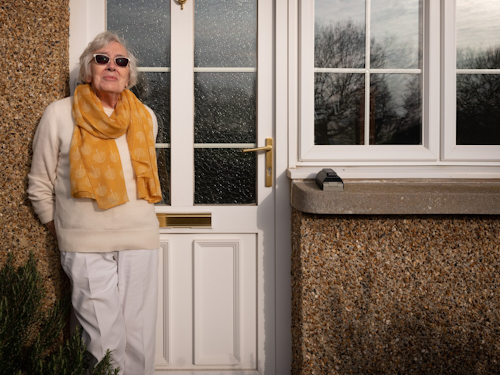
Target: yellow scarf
x,y
95,166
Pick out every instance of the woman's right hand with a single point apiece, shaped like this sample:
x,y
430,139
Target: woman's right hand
x,y
52,228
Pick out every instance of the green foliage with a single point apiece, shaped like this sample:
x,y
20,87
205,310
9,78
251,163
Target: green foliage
x,y
28,337
105,366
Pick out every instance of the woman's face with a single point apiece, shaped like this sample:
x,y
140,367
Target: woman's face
x,y
110,78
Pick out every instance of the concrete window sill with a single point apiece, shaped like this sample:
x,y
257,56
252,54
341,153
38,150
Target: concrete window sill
x,y
400,197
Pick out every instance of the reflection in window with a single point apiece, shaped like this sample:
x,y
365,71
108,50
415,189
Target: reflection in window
x,y
478,109
478,88
342,69
395,109
339,109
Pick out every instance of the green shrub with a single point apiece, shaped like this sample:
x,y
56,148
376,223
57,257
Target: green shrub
x,y
29,337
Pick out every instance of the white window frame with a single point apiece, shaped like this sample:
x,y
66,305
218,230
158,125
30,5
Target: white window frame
x,y
433,159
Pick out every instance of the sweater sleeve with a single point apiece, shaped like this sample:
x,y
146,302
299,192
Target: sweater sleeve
x,y
44,166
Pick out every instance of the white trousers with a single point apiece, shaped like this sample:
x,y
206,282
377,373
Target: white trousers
x,y
115,297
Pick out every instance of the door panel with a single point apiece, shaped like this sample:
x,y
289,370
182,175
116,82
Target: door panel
x,y
208,302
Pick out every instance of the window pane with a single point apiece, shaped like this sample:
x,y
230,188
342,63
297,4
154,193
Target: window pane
x,y
153,89
478,109
225,107
339,109
339,34
225,176
395,109
396,34
478,34
145,26
226,33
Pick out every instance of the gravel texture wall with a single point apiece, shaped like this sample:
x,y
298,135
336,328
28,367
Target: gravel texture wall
x,y
395,294
33,73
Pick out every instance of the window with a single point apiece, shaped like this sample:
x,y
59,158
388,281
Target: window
x,y
387,83
471,89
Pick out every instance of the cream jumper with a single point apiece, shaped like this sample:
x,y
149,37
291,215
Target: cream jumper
x,y
81,225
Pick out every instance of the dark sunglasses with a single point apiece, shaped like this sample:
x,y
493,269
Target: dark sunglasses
x,y
105,59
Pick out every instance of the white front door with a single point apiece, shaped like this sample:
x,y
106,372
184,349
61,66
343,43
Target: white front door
x,y
217,299
208,74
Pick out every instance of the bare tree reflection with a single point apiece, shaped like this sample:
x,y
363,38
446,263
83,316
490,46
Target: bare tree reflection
x,y
395,100
398,120
478,98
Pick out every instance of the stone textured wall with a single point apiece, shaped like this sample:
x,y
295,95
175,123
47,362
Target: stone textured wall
x,y
34,43
395,294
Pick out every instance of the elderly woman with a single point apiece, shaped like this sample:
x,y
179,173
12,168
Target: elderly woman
x,y
93,182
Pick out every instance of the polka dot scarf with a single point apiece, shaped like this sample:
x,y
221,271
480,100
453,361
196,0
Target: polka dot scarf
x,y
95,166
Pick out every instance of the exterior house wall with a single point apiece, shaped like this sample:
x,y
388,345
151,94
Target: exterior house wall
x,y
395,294
33,73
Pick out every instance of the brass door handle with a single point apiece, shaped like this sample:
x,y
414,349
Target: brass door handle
x,y
268,148
265,148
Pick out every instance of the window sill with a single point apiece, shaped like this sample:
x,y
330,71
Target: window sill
x,y
400,197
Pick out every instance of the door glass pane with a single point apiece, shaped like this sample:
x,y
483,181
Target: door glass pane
x,y
145,25
339,108
153,89
225,101
225,107
339,34
224,176
163,158
225,33
396,39
395,109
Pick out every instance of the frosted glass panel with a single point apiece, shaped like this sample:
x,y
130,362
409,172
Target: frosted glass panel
x,y
396,34
224,176
163,158
145,25
339,34
153,89
396,109
339,109
478,34
225,107
225,33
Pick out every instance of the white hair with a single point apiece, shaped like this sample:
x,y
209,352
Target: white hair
x,y
99,42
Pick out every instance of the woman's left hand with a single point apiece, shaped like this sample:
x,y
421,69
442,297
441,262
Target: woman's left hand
x,y
52,228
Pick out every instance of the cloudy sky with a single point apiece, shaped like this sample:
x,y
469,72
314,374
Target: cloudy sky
x,y
478,21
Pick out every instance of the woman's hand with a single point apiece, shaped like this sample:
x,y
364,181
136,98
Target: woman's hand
x,y
52,228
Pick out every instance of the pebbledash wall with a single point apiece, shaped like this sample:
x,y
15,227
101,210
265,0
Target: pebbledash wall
x,y
396,277
33,73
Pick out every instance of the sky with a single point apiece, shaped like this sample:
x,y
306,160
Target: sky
x,y
478,21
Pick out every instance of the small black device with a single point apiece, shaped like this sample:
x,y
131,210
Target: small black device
x,y
328,180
